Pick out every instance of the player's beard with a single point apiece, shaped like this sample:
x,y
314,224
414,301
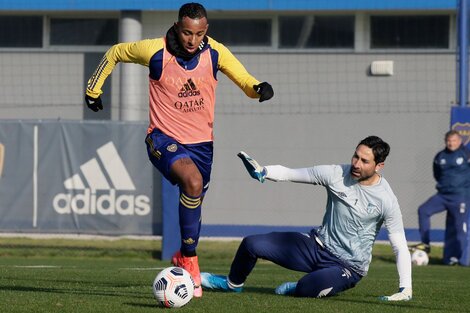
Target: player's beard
x,y
361,178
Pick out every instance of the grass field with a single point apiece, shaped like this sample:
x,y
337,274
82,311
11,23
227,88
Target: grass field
x,y
56,275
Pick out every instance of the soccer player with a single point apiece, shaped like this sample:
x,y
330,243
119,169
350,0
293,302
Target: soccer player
x,y
451,170
337,254
182,80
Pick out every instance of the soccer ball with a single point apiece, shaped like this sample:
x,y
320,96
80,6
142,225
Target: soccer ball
x,y
173,287
420,258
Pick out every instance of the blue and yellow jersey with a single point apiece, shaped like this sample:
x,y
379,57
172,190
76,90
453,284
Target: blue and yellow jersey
x,y
149,53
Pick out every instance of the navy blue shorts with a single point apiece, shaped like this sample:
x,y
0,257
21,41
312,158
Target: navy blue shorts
x,y
326,274
163,151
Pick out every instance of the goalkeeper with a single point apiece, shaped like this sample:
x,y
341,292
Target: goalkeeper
x,y
337,254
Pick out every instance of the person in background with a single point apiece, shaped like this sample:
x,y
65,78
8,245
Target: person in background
x,y
183,67
451,170
336,255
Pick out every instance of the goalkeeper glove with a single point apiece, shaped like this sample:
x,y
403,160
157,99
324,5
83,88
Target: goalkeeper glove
x,y
403,294
255,170
265,91
94,104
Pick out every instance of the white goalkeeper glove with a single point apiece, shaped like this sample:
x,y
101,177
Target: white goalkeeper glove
x,y
403,294
255,170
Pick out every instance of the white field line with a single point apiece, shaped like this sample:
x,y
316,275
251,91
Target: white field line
x,y
38,266
102,237
142,268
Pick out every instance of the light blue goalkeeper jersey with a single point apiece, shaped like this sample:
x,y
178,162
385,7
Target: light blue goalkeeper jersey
x,y
354,214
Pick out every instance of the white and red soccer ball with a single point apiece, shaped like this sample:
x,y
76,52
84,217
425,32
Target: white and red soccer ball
x,y
173,287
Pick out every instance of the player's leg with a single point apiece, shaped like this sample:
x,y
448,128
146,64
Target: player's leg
x,y
465,258
456,229
433,205
193,176
189,180
326,282
175,163
291,250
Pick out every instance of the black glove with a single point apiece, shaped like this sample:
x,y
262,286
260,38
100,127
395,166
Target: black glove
x,y
265,90
94,104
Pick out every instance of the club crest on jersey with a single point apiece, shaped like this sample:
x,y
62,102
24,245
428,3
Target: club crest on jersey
x,y
172,148
371,208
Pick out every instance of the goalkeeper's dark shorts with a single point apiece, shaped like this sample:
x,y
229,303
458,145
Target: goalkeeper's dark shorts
x,y
326,275
163,151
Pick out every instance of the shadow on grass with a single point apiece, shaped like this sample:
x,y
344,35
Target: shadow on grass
x,y
51,250
375,301
260,290
75,291
156,254
144,305
386,259
71,281
391,259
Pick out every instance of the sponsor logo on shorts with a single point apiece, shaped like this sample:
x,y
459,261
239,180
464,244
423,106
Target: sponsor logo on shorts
x,y
346,273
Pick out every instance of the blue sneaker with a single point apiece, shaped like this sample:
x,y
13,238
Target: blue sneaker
x,y
217,282
286,288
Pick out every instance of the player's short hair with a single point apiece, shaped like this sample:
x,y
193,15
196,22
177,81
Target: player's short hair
x,y
192,10
451,133
380,148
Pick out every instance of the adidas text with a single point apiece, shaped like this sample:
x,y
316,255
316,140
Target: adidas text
x,y
189,93
90,203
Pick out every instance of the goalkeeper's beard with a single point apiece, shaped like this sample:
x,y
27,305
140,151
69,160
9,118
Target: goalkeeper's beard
x,y
361,176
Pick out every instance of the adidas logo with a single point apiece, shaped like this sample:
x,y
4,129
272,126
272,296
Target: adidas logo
x,y
101,197
189,89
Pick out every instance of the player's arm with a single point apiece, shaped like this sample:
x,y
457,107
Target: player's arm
x,y
234,69
436,169
138,52
273,172
396,236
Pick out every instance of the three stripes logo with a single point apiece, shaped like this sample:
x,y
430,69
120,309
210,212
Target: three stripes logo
x,y
191,104
189,89
110,188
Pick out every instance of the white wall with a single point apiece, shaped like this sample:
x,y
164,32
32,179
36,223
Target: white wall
x,y
323,105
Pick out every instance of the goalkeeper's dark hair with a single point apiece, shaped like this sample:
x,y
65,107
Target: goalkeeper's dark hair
x,y
192,10
380,148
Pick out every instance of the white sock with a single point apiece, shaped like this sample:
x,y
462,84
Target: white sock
x,y
232,285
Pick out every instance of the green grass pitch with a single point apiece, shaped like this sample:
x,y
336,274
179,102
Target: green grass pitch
x,y
57,275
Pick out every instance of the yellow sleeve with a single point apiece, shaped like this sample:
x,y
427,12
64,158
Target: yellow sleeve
x,y
138,52
230,66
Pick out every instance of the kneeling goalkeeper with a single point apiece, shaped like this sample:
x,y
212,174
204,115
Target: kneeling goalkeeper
x,y
337,254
